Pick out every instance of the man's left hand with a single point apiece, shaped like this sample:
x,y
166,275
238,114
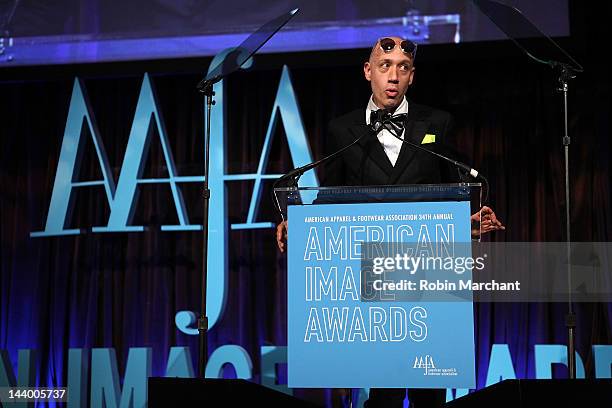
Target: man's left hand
x,y
485,221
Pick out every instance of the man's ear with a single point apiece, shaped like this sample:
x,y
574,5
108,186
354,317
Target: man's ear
x,y
411,76
367,70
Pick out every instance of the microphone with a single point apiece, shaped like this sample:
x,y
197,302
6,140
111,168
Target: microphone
x,y
469,170
294,175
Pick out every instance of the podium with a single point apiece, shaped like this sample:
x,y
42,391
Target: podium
x,y
373,278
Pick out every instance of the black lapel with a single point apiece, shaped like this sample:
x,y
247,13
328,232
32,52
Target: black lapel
x,y
414,131
372,148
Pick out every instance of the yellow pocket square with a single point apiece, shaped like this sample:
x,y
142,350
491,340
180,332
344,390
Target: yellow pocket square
x,y
429,138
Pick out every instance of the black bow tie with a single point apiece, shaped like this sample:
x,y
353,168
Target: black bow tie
x,y
393,123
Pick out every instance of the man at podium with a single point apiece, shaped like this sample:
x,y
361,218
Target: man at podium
x,y
384,159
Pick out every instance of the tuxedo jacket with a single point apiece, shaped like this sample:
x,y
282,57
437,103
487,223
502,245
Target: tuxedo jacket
x,y
366,163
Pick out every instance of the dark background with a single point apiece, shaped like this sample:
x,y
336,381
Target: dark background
x,y
122,290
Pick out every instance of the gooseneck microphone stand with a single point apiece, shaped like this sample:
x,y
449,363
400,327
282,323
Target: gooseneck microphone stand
x,y
292,178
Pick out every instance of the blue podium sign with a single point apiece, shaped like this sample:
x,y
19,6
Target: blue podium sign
x,y
339,335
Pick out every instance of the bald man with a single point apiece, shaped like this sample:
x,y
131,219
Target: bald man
x,y
385,160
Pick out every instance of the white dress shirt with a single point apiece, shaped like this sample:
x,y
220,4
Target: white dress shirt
x,y
391,145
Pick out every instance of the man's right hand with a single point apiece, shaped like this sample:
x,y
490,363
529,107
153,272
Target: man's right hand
x,y
281,235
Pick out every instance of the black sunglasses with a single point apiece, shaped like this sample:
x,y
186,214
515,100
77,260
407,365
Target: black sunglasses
x,y
407,46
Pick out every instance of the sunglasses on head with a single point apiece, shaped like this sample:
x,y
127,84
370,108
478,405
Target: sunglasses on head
x,y
407,46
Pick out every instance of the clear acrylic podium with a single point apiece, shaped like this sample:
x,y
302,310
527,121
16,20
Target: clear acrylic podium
x,y
342,334
472,192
